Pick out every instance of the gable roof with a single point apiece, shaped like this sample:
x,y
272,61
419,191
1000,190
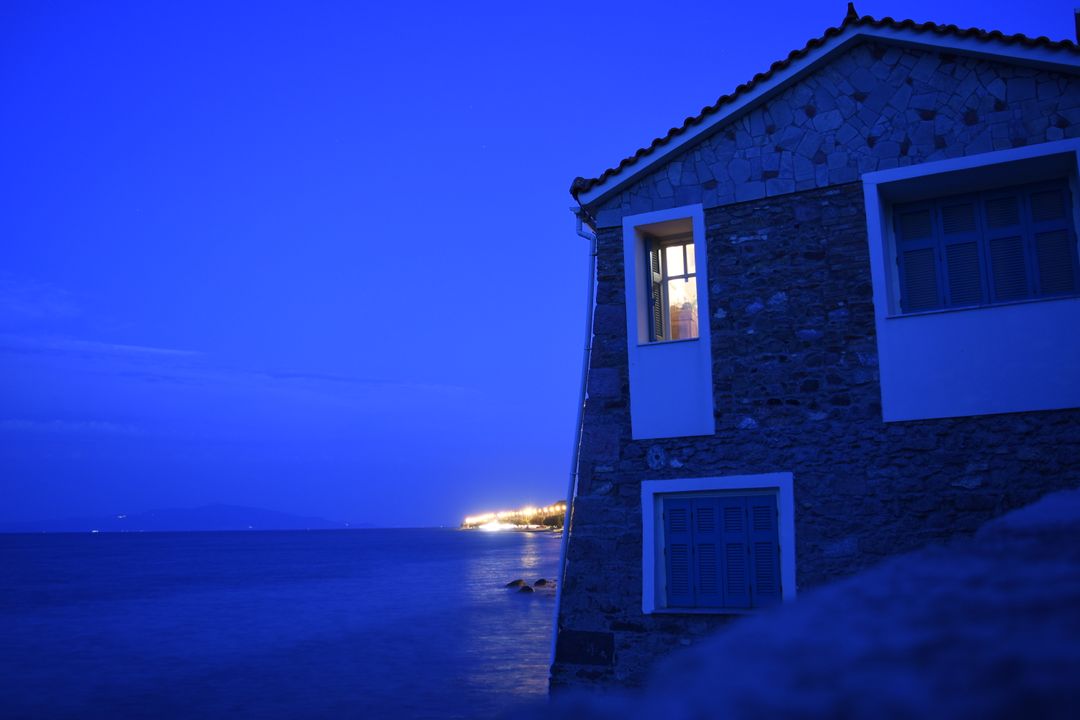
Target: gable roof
x,y
1060,54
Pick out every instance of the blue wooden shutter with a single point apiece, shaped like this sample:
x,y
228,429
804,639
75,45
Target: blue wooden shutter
x,y
677,549
707,547
735,560
1055,251
963,265
765,550
920,287
1005,239
656,292
1055,242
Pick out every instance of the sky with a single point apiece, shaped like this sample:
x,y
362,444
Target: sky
x,y
318,257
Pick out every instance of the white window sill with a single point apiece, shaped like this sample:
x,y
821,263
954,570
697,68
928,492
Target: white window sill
x,y
660,343
707,611
969,308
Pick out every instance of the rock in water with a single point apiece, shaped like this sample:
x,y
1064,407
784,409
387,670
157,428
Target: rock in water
x,y
540,583
525,589
515,583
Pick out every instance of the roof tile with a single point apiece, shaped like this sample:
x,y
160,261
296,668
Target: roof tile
x,y
581,185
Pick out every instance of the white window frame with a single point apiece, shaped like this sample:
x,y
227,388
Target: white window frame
x,y
662,245
996,358
671,392
653,591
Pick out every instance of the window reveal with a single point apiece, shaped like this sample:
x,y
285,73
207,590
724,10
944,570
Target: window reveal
x,y
672,288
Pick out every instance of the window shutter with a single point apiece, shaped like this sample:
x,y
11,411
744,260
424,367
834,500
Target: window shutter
x,y
918,268
735,558
677,546
920,288
1048,205
1002,212
765,550
964,273
916,224
1054,251
958,218
1008,269
707,544
1055,243
656,292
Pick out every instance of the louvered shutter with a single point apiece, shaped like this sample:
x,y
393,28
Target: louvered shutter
x,y
735,560
656,293
707,547
677,553
920,288
1008,268
1055,251
1055,243
1005,240
963,266
764,550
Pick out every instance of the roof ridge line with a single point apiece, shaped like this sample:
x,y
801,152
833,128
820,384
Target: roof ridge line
x,y
581,184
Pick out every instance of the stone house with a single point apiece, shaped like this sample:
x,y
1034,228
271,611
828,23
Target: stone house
x,y
836,319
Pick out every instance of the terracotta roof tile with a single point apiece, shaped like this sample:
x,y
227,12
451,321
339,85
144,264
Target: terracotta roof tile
x,y
581,185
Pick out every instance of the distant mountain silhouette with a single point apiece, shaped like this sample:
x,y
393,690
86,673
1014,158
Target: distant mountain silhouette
x,y
207,517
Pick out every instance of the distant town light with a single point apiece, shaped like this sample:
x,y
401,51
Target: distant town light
x,y
529,517
496,526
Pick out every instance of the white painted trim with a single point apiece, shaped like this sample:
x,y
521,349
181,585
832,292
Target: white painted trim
x,y
1031,343
1043,57
997,157
671,390
652,528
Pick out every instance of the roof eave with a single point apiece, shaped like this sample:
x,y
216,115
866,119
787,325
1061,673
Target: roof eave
x,y
1046,57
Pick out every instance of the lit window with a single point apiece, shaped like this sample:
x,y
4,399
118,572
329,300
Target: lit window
x,y
987,248
672,288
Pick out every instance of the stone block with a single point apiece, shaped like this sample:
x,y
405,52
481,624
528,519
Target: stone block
x,y
739,171
1020,89
749,191
827,121
605,383
581,647
779,186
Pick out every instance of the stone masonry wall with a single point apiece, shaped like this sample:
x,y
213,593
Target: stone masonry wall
x,y
794,352
796,389
875,107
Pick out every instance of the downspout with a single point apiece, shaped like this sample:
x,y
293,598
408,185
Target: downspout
x,y
571,489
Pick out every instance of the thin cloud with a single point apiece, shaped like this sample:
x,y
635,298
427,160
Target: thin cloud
x,y
80,427
23,300
148,364
58,345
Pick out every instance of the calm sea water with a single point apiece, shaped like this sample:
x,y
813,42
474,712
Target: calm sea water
x,y
344,624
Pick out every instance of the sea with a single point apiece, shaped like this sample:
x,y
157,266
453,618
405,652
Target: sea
x,y
411,623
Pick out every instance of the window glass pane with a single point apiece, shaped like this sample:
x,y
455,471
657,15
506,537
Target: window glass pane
x,y
674,260
682,308
691,266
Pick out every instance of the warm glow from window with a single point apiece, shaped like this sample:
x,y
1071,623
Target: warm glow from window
x,y
673,289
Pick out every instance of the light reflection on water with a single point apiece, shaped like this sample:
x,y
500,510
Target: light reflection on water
x,y
364,623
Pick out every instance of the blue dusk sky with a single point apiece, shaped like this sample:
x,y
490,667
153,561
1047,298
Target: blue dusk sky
x,y
317,257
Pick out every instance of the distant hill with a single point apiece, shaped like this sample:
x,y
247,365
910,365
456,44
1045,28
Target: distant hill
x,y
205,518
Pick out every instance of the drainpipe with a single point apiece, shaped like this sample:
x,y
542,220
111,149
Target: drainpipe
x,y
571,489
